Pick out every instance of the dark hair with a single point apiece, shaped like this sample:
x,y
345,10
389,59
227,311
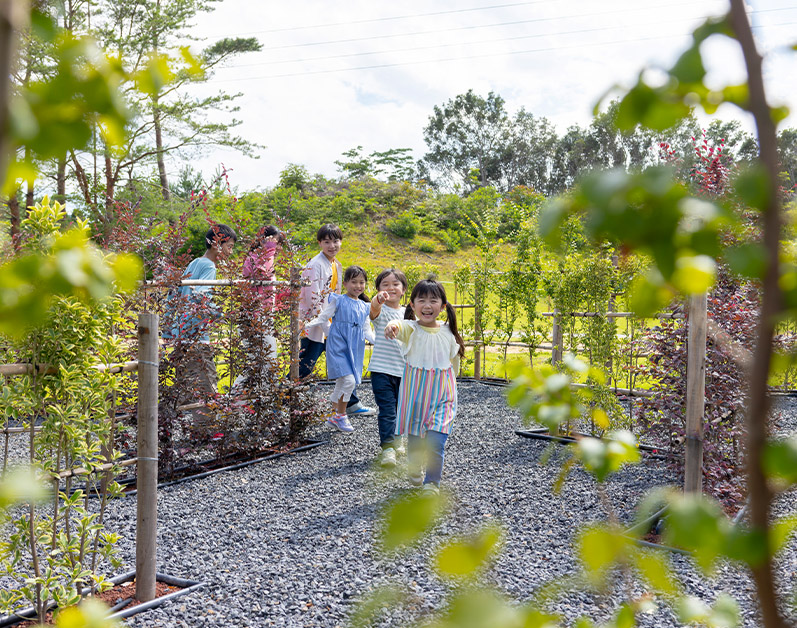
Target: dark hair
x,y
329,231
353,272
391,271
430,287
219,233
266,232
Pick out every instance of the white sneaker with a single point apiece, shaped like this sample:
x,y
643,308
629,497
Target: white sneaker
x,y
401,448
430,489
388,458
360,410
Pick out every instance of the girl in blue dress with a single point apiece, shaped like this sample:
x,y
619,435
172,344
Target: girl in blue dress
x,y
344,319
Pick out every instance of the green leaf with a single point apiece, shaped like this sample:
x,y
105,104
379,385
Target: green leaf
x,y
600,547
780,459
697,524
689,67
694,274
780,532
408,518
479,607
752,186
466,556
656,571
748,260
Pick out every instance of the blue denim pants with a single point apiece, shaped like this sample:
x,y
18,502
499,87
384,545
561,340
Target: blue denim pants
x,y
309,352
386,391
430,447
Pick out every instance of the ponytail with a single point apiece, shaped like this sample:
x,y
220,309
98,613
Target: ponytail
x,y
451,314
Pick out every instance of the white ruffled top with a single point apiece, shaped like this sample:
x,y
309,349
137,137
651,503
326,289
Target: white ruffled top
x,y
427,347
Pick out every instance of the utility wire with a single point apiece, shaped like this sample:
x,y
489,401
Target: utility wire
x,y
393,18
477,26
467,43
461,58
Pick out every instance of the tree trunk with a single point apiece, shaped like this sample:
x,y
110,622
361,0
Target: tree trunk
x,y
110,189
771,307
156,118
14,219
60,181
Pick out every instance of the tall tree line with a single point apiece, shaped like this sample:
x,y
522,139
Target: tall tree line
x,y
168,118
473,141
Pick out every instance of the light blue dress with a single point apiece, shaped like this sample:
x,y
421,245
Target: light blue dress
x,y
346,338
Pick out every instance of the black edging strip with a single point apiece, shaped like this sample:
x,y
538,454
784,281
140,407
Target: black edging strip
x,y
542,434
233,467
191,585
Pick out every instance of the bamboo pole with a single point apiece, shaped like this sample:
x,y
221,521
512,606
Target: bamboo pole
x,y
147,476
293,369
556,340
477,333
695,393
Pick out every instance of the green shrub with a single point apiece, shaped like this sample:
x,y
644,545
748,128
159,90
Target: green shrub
x,y
405,225
426,247
451,239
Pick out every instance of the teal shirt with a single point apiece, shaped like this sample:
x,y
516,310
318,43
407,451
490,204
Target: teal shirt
x,y
194,322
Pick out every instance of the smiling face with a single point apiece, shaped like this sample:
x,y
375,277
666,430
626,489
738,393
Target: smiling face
x,y
427,308
394,288
355,286
329,247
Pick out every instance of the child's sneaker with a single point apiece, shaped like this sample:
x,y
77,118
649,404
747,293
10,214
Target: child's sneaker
x,y
341,422
415,476
360,410
430,489
388,458
401,448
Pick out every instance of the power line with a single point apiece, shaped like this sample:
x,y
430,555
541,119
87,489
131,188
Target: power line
x,y
474,27
461,58
393,18
467,43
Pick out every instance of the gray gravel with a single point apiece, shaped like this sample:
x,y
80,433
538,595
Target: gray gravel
x,y
290,542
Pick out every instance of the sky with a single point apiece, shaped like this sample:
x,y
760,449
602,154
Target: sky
x,y
335,75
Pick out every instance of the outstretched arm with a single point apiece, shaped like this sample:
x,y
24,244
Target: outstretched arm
x,y
376,303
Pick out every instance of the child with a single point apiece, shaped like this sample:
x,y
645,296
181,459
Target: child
x,y
387,362
258,340
193,354
324,272
346,335
427,401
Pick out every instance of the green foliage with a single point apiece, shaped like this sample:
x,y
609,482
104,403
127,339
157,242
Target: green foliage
x,y
408,518
464,557
654,214
405,225
294,176
54,263
53,554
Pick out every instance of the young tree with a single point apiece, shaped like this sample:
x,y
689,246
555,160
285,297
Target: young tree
x,y
468,134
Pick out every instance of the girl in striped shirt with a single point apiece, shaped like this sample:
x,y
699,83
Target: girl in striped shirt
x,y
427,401
387,362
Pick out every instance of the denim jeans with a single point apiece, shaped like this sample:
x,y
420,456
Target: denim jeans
x,y
309,352
433,446
386,391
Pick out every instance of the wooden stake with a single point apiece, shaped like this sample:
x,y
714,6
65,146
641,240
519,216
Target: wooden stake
x,y
695,393
556,339
295,343
147,476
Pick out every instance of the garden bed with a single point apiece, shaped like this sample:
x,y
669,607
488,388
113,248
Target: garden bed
x,y
121,598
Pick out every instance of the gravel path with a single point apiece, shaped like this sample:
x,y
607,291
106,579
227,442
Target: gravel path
x,y
290,542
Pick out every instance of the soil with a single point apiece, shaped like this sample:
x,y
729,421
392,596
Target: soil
x,y
111,597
